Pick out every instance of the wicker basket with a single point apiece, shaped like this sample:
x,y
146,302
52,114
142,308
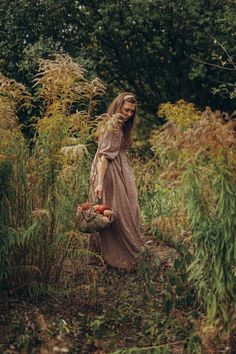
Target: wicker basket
x,y
88,221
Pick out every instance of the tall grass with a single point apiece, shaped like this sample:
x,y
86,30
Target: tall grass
x,y
194,173
39,190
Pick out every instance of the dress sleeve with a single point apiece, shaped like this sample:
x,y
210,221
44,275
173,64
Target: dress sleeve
x,y
110,144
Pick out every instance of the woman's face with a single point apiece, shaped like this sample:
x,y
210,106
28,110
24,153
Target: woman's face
x,y
127,110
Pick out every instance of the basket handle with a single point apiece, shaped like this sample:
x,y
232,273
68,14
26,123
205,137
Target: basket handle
x,y
97,200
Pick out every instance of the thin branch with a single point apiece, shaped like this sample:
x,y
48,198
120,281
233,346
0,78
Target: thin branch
x,y
210,64
127,6
224,49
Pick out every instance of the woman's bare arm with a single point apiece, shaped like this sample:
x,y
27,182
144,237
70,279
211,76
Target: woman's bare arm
x,y
101,169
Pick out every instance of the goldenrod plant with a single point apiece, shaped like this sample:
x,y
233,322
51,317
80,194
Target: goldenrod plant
x,y
197,162
14,205
40,189
183,113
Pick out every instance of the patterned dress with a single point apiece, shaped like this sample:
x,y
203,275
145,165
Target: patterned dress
x,y
121,243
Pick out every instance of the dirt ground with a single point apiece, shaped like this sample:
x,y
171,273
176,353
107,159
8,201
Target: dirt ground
x,y
97,310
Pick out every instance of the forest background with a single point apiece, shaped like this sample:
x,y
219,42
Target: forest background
x,y
157,49
61,63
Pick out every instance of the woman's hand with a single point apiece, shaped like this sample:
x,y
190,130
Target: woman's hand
x,y
98,191
101,168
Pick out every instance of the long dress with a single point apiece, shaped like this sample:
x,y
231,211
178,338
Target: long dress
x,y
120,244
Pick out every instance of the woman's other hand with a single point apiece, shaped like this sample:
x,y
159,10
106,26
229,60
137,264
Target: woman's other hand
x,y
98,191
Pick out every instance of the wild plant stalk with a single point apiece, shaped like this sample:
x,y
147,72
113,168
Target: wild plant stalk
x,y
198,161
41,191
13,175
62,85
214,241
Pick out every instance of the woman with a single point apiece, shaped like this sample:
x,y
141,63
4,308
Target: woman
x,y
113,182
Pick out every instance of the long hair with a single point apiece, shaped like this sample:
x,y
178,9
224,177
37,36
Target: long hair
x,y
115,108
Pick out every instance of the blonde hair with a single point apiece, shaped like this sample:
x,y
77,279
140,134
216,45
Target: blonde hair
x,y
115,108
113,120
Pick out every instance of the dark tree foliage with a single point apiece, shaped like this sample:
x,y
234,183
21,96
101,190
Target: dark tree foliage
x,y
31,29
156,48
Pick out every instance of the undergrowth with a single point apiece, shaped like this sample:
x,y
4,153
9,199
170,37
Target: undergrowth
x,y
182,302
42,185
